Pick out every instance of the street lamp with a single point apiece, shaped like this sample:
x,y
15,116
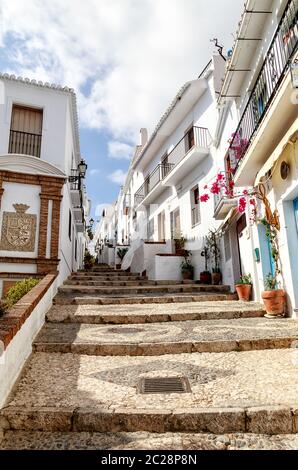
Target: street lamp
x,y
82,167
80,173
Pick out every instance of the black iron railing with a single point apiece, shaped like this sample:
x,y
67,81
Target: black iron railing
x,y
278,59
195,137
75,180
24,143
157,175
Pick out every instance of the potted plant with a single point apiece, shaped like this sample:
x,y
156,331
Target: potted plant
x,y
274,298
121,252
88,260
179,245
205,276
187,268
214,250
244,287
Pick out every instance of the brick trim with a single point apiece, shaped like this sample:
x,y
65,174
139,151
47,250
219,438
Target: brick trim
x,y
51,189
13,320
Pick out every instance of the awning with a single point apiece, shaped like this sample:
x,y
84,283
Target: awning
x,y
290,136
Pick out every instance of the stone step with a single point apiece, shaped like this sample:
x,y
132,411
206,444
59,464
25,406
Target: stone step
x,y
157,313
131,290
140,299
104,274
107,278
43,440
120,283
247,392
211,336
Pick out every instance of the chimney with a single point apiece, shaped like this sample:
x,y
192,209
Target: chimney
x,y
144,136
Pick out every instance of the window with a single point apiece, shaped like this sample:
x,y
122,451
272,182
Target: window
x,y
227,246
25,131
76,250
195,206
69,225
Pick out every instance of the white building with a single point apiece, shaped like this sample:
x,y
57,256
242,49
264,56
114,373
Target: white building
x,y
160,199
239,118
42,210
260,120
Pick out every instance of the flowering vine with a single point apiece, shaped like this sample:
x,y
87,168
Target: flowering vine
x,y
224,185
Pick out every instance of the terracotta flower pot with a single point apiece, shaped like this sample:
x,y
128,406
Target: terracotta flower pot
x,y
187,275
244,292
274,301
205,277
216,278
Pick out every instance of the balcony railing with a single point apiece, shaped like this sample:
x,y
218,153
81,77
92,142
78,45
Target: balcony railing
x,y
74,180
157,175
277,62
24,143
196,137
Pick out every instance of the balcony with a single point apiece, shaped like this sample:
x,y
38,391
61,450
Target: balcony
x,y
192,149
151,188
181,160
223,203
75,188
270,81
24,143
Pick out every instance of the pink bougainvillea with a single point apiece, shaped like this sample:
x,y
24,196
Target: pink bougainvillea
x,y
225,185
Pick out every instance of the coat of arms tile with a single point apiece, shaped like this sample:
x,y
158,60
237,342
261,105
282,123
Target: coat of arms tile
x,y
18,230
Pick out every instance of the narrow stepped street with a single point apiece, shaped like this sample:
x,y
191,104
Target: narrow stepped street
x,y
87,383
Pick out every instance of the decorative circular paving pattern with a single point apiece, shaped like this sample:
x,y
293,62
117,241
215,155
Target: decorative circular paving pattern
x,y
122,334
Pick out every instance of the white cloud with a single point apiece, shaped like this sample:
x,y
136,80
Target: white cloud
x,y
119,150
125,58
94,172
117,177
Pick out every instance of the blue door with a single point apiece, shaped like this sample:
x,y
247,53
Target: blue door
x,y
296,211
268,266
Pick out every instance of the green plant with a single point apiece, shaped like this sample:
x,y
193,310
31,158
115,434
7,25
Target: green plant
x,y
16,292
90,234
186,264
245,279
180,241
272,235
270,282
88,259
121,252
212,244
206,254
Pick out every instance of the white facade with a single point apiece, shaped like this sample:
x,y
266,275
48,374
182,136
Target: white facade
x,y
247,102
39,140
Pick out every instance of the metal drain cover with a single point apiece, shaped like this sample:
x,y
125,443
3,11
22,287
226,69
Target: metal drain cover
x,y
164,385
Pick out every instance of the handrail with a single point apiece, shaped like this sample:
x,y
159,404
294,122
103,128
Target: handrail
x,y
282,48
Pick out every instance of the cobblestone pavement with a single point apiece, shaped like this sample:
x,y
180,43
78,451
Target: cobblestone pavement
x,y
165,338
159,312
253,378
145,441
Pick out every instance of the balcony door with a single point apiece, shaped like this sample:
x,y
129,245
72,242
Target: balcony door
x,y
25,131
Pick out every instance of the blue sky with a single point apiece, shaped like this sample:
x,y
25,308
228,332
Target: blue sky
x,y
126,59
